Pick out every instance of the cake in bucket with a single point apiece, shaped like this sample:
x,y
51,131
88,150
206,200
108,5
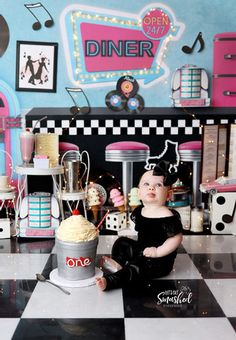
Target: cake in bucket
x,y
76,246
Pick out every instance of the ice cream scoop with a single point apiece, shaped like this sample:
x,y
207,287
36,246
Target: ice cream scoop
x,y
93,197
134,200
117,199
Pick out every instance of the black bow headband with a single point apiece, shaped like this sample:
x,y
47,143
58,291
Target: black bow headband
x,y
163,168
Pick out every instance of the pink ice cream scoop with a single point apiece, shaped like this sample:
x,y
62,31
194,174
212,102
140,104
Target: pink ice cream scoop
x,y
117,198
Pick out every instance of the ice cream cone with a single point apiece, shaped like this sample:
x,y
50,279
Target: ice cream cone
x,y
95,209
132,207
117,199
94,201
121,208
134,200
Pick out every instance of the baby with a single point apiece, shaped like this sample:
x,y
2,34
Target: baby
x,y
159,235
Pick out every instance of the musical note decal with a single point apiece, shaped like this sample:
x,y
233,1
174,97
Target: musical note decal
x,y
228,218
223,207
199,38
78,95
4,35
38,7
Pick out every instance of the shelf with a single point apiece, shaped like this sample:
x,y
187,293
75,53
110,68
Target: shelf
x,y
72,196
30,170
7,195
59,113
27,232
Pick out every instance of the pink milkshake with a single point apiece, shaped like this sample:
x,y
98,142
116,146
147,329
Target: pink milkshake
x,y
27,139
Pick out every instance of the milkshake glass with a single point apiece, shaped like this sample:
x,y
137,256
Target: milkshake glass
x,y
27,140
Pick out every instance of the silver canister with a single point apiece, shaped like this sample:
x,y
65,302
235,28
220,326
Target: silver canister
x,y
74,171
76,260
72,175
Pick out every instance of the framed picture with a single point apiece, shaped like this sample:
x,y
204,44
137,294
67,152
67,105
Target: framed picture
x,y
36,66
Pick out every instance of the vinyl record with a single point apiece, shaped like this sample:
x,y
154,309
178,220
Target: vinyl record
x,y
4,35
128,86
135,104
115,101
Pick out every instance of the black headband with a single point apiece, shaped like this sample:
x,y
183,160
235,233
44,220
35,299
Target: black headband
x,y
163,169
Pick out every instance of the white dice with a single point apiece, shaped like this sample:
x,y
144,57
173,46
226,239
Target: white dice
x,y
5,230
222,213
116,221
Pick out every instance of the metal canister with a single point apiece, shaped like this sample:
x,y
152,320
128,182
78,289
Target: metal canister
x,y
72,175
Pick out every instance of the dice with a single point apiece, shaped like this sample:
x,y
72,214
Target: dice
x,y
116,221
222,214
5,230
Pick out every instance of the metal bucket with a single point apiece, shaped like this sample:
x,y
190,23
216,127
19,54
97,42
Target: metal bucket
x,y
76,260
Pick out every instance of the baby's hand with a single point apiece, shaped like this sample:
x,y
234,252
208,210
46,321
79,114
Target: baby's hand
x,y
150,252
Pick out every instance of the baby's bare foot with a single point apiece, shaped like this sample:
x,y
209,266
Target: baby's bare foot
x,y
109,264
101,283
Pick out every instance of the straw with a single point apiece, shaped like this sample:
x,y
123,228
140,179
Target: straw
x,y
45,117
100,223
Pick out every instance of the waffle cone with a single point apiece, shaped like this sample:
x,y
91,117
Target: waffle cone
x,y
121,208
95,209
132,207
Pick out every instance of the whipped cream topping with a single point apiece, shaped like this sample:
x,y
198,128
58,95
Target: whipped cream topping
x,y
76,228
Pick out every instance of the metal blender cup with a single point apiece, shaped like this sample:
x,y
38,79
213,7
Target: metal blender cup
x,y
72,171
72,175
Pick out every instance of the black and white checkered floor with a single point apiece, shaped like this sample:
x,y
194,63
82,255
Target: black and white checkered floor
x,y
196,301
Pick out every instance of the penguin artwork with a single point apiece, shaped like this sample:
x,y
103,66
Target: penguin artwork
x,y
190,87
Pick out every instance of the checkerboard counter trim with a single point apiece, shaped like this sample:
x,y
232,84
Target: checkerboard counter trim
x,y
108,126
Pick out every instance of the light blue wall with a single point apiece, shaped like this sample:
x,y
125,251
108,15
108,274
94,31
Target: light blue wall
x,y
209,17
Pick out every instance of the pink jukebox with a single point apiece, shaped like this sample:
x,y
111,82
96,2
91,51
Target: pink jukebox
x,y
9,110
6,136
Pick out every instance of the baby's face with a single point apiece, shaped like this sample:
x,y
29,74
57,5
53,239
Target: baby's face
x,y
152,189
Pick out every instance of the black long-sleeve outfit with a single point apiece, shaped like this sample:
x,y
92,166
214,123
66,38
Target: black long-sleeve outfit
x,y
138,269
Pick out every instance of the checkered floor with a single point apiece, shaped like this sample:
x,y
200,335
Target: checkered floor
x,y
196,301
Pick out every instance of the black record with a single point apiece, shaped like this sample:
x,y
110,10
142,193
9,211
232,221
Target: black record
x,y
115,101
128,86
135,104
